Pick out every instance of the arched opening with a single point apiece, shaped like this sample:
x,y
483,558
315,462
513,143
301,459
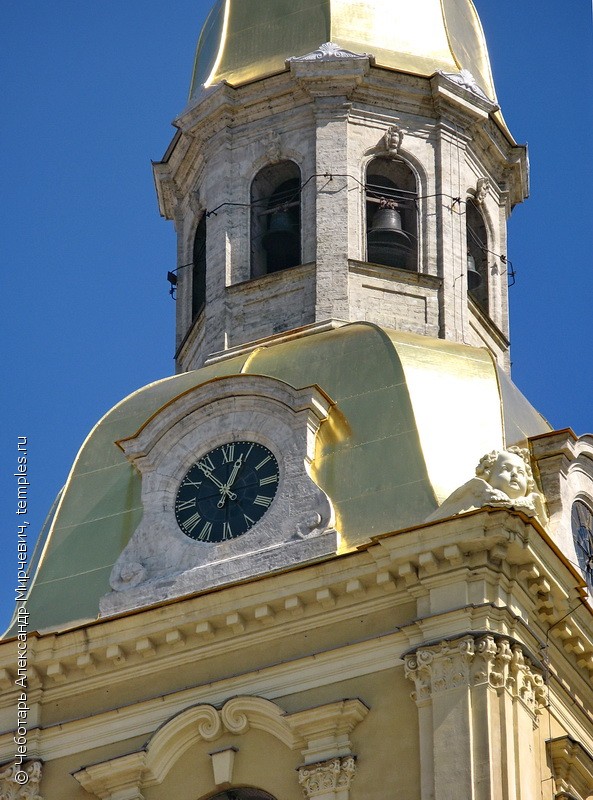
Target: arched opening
x,y
391,214
477,256
242,793
582,531
198,275
275,218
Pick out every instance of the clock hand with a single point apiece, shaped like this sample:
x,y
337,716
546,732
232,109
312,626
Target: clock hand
x,y
208,473
236,467
225,489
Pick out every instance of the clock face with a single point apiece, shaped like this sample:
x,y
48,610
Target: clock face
x,y
226,492
582,531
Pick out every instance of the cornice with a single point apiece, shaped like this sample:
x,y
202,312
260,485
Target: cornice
x,y
381,572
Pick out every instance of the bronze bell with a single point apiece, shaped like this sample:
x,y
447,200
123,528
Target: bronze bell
x,y
388,243
474,279
281,241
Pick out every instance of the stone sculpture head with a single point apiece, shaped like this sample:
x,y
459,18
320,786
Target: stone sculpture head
x,y
508,471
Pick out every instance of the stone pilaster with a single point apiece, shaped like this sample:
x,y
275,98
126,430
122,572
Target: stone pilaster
x,y
477,699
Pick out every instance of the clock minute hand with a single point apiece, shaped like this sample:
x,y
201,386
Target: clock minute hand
x,y
225,491
236,467
208,473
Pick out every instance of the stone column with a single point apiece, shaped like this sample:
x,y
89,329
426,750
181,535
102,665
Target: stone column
x,y
477,699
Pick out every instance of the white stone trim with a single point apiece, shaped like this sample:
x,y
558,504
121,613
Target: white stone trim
x,y
150,766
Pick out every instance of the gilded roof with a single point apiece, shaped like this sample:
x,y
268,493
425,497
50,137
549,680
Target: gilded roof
x,y
419,413
244,40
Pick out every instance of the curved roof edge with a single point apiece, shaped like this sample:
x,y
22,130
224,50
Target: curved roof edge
x,y
420,412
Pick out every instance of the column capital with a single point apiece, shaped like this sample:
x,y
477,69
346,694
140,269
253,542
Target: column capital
x,y
20,781
475,660
327,777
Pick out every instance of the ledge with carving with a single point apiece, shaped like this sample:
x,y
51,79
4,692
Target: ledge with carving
x,y
475,660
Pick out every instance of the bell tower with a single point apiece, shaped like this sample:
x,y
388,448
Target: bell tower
x,y
341,175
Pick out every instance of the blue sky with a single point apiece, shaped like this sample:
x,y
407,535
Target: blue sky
x,y
89,92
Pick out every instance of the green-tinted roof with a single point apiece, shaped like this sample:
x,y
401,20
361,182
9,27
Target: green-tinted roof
x,y
419,415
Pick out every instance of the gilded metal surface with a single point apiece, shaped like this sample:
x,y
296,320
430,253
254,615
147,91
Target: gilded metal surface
x,y
457,407
412,416
521,420
244,40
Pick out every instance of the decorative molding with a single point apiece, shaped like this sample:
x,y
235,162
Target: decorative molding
x,y
112,780
223,762
323,729
572,768
329,51
392,140
20,781
327,777
160,562
472,661
467,81
272,146
480,193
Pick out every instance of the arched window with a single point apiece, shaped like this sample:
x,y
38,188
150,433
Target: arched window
x,y
243,793
392,220
198,287
275,218
477,255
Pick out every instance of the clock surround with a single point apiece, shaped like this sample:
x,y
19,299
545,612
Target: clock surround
x,y
161,560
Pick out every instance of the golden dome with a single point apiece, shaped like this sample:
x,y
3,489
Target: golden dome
x,y
244,40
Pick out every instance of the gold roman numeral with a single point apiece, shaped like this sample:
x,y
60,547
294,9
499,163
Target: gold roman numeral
x,y
192,522
204,534
185,504
188,482
228,453
206,463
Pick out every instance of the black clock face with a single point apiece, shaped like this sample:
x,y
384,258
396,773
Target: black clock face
x,y
582,531
226,492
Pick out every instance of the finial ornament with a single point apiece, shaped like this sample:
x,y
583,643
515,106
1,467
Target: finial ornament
x,y
504,479
392,140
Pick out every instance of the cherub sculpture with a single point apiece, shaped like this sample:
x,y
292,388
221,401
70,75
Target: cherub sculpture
x,y
503,479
